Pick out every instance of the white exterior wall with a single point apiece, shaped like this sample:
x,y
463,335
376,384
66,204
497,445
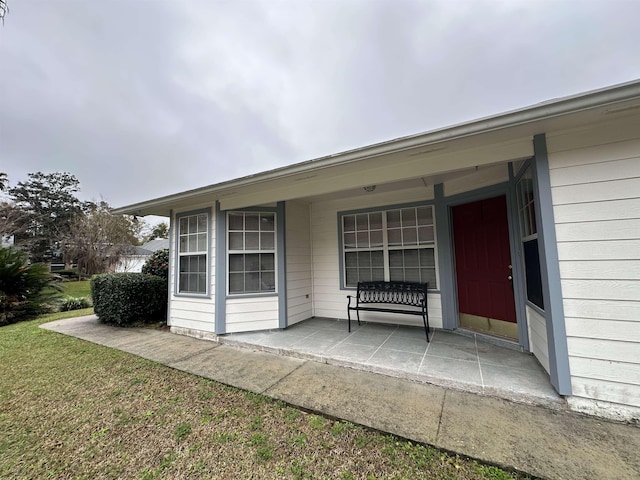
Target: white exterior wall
x,y
298,261
188,313
595,180
245,314
329,300
538,345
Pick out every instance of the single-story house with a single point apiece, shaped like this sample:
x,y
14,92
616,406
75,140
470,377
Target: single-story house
x,y
139,254
524,224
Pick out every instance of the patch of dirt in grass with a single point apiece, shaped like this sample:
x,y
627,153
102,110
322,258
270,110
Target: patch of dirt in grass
x,y
71,409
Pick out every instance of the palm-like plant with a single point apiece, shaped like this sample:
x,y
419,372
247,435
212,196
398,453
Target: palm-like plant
x,y
24,288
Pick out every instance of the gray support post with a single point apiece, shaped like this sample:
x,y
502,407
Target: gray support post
x,y
221,271
550,271
446,264
282,265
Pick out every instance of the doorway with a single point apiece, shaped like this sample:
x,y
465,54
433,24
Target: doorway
x,y
483,267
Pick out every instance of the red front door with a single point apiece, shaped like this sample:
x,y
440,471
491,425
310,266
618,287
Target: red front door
x,y
483,258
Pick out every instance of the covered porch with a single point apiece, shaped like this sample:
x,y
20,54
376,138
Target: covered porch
x,y
462,360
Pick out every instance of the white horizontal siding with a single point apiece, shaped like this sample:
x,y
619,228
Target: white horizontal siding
x,y
298,261
595,178
251,313
538,337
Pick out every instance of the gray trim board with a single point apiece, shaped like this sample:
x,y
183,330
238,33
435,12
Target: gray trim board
x,y
446,263
550,269
169,289
221,271
281,253
517,263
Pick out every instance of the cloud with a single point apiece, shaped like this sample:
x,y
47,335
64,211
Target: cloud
x,y
146,98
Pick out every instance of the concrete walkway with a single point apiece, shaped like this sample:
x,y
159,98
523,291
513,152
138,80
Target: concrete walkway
x,y
543,442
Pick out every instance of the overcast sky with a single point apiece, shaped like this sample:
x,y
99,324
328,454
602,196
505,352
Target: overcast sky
x,y
143,98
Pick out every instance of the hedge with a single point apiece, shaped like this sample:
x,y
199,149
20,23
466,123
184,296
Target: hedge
x,y
129,298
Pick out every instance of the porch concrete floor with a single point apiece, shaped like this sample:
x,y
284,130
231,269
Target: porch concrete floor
x,y
451,360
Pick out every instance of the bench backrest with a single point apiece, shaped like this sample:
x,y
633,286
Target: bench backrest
x,y
399,293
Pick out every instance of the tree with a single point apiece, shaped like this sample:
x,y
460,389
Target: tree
x,y
4,180
51,205
97,240
13,221
4,9
159,231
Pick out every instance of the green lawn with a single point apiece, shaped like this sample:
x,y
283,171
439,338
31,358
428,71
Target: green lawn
x,y
77,289
72,409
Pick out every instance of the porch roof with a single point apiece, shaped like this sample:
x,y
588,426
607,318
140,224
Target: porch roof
x,y
499,138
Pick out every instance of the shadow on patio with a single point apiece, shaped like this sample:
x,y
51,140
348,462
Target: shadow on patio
x,y
452,360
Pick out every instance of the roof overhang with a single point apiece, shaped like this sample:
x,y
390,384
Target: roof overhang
x,y
488,140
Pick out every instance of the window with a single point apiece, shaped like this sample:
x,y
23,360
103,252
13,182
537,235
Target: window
x,y
252,252
193,238
529,235
395,244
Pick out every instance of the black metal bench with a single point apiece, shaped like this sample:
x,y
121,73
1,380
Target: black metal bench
x,y
370,297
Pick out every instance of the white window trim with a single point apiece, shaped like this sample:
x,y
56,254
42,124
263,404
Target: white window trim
x,y
253,251
385,247
206,253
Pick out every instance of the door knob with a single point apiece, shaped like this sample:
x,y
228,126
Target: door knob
x,y
509,278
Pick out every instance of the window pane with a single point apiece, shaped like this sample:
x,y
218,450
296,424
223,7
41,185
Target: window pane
x,y
184,264
411,258
184,282
412,275
236,282
236,263
428,276
364,259
202,242
427,257
395,258
395,237
252,282
349,223
267,261
267,222
364,275
425,216
236,241
251,221
352,277
351,259
409,236
268,281
377,258
362,222
193,224
252,262
363,239
202,223
202,283
193,243
350,240
425,235
396,274
377,274
252,241
532,273
393,218
202,263
376,238
375,221
267,240
408,217
184,224
183,244
236,221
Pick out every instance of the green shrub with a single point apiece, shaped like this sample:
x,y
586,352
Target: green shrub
x,y
157,264
74,303
25,289
128,298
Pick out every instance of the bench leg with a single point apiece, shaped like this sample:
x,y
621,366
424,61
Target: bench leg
x,y
358,315
349,317
425,320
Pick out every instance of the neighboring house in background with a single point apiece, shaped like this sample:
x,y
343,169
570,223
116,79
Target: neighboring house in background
x,y
134,261
525,224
